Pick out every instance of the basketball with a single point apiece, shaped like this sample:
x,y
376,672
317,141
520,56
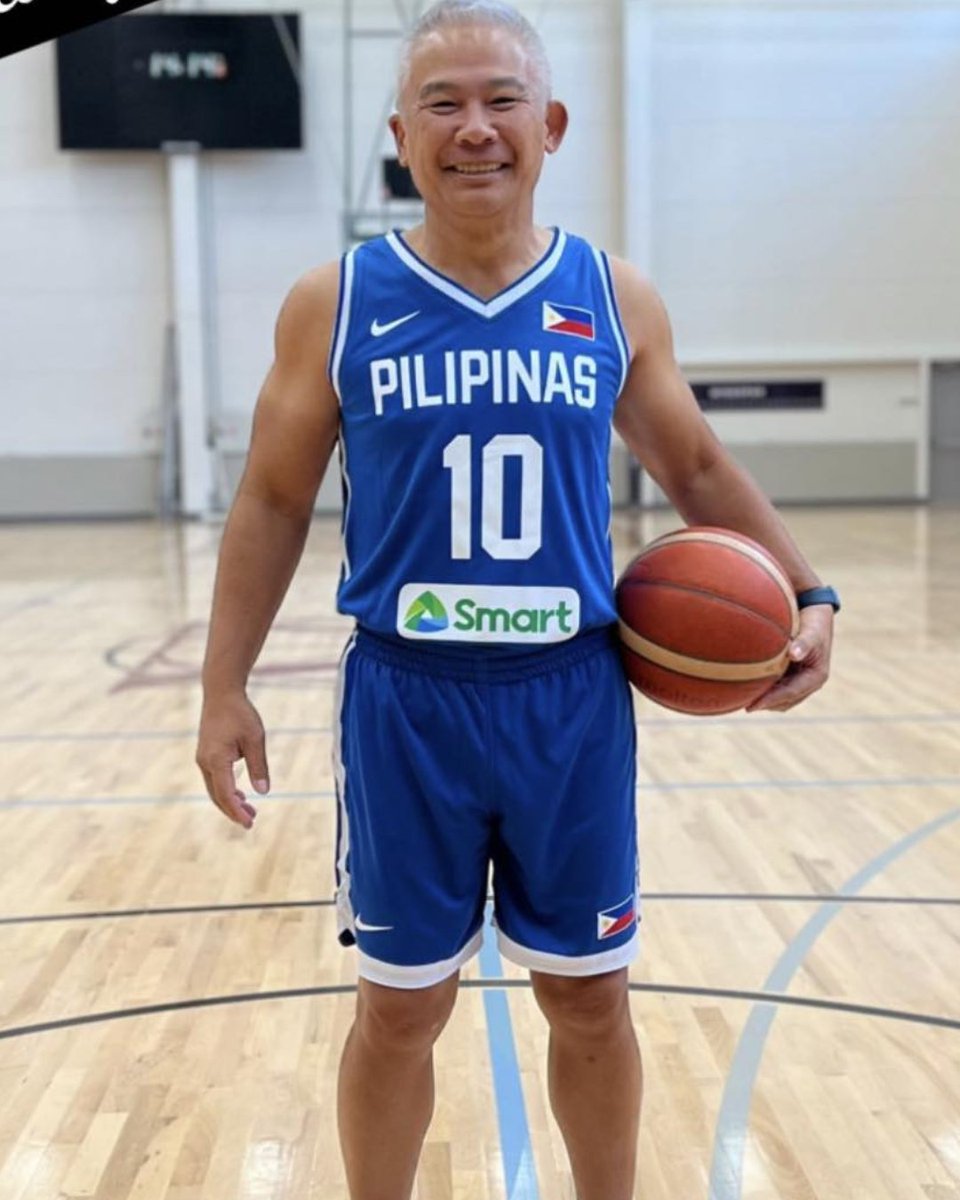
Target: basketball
x,y
706,620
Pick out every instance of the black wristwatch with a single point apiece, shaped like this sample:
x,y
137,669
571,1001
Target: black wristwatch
x,y
819,595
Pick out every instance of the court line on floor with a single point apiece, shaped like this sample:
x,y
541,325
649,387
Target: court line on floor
x,y
731,1130
716,785
771,1000
183,910
37,601
779,721
520,1174
136,675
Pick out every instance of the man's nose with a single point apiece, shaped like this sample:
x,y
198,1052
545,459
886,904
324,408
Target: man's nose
x,y
475,127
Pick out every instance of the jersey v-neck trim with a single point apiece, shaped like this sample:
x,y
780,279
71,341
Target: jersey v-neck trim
x,y
496,304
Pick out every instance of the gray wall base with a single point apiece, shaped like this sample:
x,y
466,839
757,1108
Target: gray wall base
x,y
874,472
94,486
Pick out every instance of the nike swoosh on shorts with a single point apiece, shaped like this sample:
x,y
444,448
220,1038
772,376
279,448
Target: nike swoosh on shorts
x,y
364,928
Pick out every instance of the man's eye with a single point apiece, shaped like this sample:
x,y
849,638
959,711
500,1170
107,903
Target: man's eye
x,y
442,106
504,101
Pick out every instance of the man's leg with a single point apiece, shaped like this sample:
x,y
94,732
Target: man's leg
x,y
595,1079
385,1093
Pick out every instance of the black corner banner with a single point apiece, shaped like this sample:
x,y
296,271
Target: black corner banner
x,y
25,23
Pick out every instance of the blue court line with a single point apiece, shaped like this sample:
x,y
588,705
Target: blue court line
x,y
518,1166
730,1135
717,785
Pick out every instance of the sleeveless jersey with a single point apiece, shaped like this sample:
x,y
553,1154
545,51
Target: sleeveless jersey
x,y
474,446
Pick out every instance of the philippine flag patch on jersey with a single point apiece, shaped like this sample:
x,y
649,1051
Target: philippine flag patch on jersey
x,y
564,318
615,920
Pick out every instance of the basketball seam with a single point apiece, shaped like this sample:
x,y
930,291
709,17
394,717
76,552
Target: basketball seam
x,y
741,545
696,591
661,696
714,670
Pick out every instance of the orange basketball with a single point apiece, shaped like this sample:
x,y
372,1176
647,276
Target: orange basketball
x,y
706,620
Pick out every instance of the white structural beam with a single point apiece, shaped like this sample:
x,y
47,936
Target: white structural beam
x,y
637,190
638,133
196,458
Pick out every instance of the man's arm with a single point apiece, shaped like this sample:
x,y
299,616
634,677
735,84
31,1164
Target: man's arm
x,y
658,417
295,427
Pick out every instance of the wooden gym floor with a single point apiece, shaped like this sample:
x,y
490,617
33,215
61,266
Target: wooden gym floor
x,y
173,1000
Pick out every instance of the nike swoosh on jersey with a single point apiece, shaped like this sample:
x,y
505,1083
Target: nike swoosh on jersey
x,y
379,330
365,928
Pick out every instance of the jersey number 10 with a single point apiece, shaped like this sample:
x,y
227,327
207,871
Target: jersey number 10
x,y
457,456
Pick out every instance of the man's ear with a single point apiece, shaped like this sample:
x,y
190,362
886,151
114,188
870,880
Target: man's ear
x,y
557,120
400,138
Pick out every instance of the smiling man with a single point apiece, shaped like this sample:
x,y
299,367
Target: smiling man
x,y
471,371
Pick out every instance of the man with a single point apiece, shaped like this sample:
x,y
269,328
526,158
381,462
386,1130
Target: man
x,y
471,370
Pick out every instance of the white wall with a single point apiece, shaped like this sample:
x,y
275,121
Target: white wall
x,y
82,279
792,170
84,289
805,170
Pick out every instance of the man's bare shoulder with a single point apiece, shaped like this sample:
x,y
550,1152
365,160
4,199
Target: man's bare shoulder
x,y
633,288
642,310
305,325
313,297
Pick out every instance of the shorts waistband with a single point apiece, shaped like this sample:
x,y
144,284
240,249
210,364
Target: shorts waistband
x,y
474,666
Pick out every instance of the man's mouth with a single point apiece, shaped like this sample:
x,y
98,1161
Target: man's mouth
x,y
476,168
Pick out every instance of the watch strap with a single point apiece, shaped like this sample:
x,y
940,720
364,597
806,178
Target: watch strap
x,y
818,595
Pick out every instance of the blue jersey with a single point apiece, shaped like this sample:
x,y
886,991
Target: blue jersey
x,y
475,439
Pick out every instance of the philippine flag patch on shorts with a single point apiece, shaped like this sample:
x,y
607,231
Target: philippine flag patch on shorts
x,y
615,920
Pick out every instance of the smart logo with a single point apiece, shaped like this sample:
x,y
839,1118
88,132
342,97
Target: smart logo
x,y
487,614
425,615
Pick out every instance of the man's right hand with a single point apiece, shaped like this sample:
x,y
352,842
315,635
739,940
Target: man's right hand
x,y
230,730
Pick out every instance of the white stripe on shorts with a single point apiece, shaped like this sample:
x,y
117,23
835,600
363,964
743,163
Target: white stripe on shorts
x,y
345,916
568,964
391,975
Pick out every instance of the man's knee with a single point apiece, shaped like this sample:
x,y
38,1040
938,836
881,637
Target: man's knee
x,y
401,1019
583,1006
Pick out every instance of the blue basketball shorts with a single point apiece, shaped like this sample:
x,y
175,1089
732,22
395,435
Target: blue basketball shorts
x,y
446,764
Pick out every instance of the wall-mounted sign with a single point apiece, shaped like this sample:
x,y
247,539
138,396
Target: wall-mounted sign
x,y
733,395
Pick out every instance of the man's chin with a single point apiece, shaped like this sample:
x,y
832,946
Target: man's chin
x,y
473,201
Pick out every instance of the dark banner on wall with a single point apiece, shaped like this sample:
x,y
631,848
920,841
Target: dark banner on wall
x,y
25,23
733,395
